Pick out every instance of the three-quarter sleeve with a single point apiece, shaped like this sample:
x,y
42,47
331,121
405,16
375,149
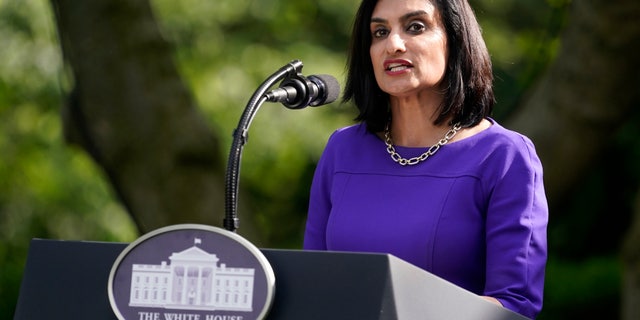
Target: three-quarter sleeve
x,y
516,232
319,202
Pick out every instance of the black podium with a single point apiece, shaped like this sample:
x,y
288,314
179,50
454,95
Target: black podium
x,y
69,279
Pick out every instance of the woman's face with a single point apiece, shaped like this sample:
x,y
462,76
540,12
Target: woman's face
x,y
409,46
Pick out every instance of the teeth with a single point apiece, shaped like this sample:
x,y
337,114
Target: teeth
x,y
396,67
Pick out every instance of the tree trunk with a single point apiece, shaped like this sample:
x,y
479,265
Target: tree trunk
x,y
131,111
631,273
588,91
577,107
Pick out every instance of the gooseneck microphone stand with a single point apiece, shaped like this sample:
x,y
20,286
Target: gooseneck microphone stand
x,y
240,136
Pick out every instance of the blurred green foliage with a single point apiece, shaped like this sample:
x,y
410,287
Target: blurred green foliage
x,y
47,189
225,49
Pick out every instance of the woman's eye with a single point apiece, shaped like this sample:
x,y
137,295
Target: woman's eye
x,y
380,33
416,27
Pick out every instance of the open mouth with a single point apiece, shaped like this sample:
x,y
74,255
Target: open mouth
x,y
397,66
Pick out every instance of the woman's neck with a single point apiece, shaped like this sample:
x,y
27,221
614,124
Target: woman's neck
x,y
412,123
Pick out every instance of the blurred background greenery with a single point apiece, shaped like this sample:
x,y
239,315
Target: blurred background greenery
x,y
49,189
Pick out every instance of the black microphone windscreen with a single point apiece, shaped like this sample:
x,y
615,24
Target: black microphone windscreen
x,y
331,87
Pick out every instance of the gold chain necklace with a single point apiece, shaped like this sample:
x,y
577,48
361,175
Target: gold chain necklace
x,y
415,160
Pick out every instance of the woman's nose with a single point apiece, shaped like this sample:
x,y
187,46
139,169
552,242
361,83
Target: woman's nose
x,y
395,44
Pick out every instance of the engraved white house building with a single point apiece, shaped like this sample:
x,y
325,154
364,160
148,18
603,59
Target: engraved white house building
x,y
192,281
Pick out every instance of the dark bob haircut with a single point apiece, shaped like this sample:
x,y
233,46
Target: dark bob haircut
x,y
468,80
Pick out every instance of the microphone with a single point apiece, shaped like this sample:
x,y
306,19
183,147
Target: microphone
x,y
299,92
295,92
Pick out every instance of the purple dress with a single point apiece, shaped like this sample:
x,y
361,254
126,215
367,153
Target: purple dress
x,y
475,213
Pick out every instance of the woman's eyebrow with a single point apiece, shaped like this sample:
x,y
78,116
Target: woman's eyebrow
x,y
378,20
404,18
413,14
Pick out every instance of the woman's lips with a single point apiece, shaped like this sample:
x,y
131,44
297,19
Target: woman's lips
x,y
397,66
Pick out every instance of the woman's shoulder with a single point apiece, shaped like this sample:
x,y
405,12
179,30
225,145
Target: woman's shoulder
x,y
357,129
352,142
498,136
350,134
509,145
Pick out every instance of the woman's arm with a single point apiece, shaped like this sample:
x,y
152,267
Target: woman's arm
x,y
516,225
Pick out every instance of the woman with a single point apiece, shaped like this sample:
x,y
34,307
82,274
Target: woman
x,y
426,175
